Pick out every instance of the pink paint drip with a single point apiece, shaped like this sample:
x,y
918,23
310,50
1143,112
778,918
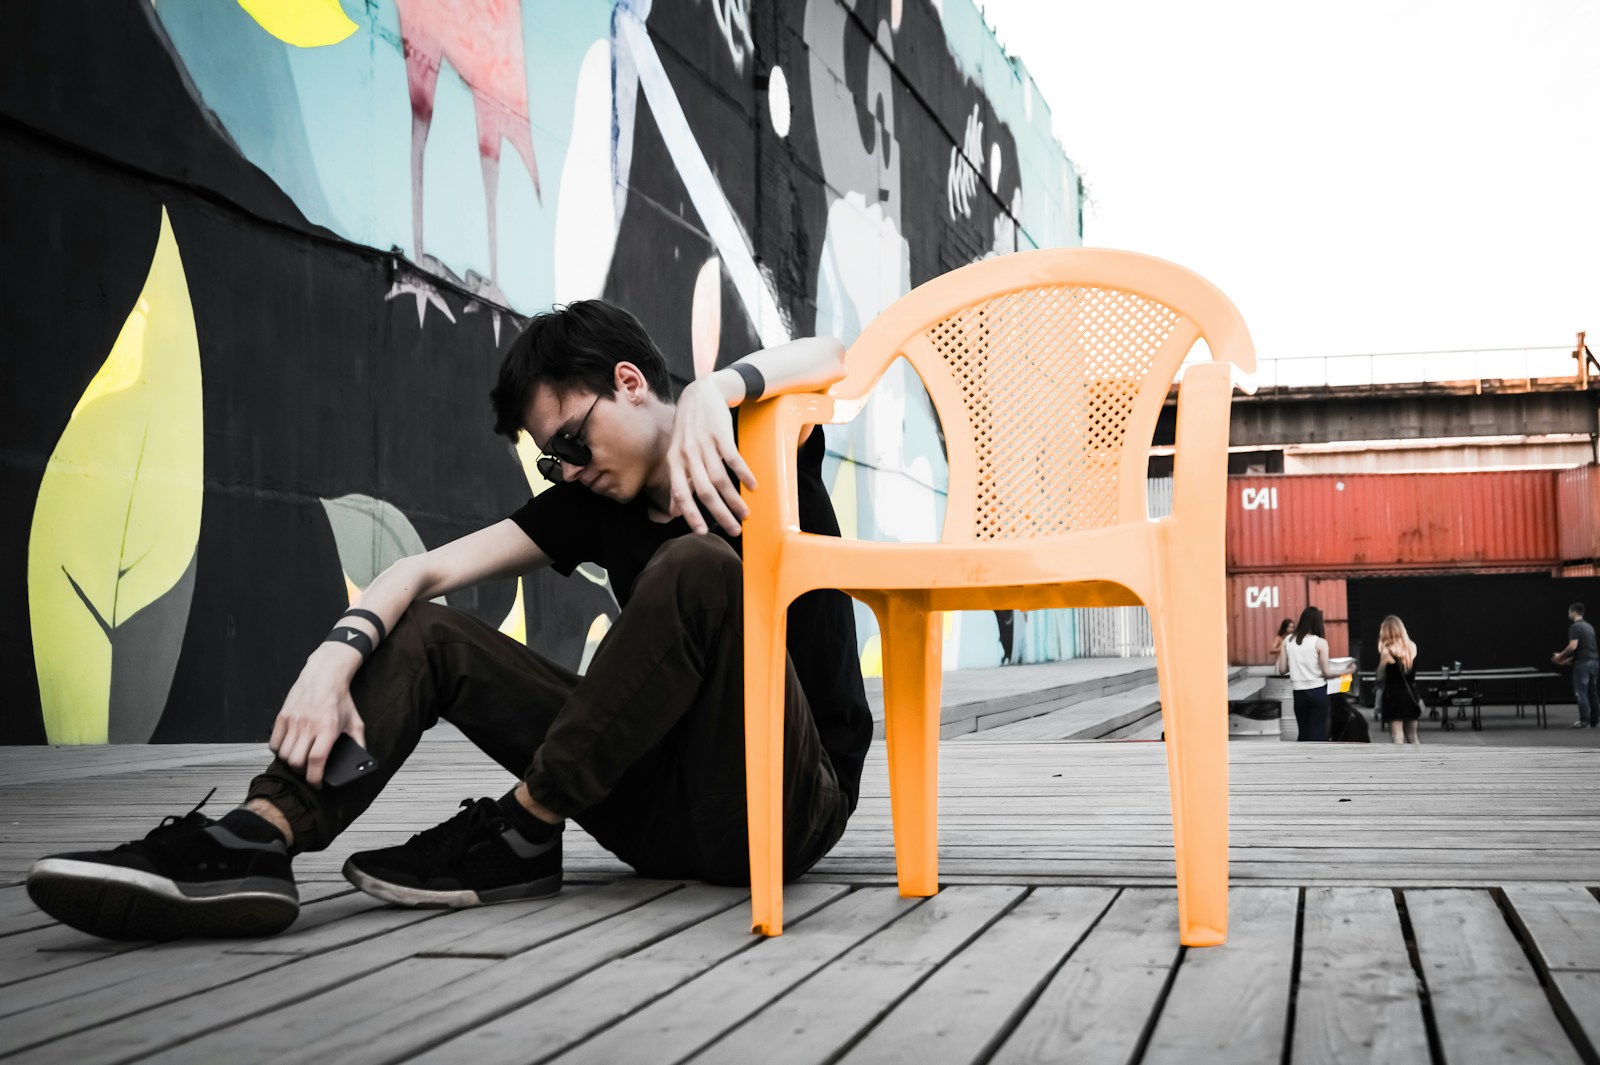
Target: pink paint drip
x,y
482,41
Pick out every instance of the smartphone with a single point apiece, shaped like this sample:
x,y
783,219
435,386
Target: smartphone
x,y
347,761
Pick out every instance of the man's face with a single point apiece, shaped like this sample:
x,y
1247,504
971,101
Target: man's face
x,y
615,430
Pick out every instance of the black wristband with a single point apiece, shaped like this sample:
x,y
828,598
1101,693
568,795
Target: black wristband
x,y
367,615
754,383
351,638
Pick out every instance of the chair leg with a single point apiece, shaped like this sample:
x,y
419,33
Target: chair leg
x,y
765,639
1192,659
911,643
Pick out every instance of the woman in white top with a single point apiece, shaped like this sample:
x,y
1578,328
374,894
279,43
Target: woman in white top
x,y
1305,658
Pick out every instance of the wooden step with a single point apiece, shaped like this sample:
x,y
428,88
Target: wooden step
x,y
1134,716
976,699
1087,720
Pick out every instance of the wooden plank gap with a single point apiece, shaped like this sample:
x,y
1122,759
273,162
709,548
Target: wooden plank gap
x,y
1491,1005
1356,995
353,1032
550,1024
1294,977
1230,1001
1099,1003
822,1014
1530,910
1430,1023
525,934
916,984
679,1025
1149,1030
965,1010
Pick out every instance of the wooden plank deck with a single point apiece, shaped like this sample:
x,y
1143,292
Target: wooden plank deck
x,y
1432,904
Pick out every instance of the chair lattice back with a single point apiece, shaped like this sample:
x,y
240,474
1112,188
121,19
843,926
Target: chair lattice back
x,y
1050,377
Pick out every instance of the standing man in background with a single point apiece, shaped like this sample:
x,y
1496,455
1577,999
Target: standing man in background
x,y
1584,654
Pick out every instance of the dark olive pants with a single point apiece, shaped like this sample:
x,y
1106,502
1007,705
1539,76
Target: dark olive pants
x,y
646,751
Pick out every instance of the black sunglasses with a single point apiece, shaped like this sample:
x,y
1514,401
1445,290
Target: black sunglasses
x,y
567,448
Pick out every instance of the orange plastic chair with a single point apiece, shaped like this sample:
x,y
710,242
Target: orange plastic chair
x,y
1047,370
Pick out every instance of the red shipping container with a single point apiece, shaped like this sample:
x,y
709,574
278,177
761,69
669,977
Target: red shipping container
x,y
1258,603
1578,514
1392,522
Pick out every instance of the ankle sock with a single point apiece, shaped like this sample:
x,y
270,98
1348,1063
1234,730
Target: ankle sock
x,y
522,819
247,824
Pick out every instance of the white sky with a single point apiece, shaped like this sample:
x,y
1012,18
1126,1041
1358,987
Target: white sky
x,y
1368,176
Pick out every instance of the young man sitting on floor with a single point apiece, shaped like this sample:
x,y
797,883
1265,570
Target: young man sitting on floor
x,y
645,751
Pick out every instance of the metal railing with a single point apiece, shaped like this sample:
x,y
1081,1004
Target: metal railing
x,y
1417,367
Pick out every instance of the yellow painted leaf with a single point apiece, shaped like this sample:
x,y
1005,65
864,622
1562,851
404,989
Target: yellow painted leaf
x,y
117,520
516,623
843,494
302,23
528,455
872,657
597,632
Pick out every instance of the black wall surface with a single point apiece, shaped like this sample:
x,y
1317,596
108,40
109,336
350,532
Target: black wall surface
x,y
1483,622
316,383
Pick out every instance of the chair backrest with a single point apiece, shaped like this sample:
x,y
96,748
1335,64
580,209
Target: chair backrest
x,y
1048,370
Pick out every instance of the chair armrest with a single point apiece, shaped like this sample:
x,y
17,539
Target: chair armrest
x,y
1200,452
769,439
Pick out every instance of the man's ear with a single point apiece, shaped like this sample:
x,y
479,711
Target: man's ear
x,y
630,382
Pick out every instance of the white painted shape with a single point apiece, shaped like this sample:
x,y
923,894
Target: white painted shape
x,y
865,266
704,192
778,101
961,182
705,317
425,294
586,213
733,20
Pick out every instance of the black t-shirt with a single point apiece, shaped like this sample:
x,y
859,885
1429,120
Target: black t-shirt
x,y
1583,632
573,525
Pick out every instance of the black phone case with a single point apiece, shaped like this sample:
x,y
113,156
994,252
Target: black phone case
x,y
347,761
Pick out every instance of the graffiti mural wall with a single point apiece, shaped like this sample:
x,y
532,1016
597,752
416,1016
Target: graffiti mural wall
x,y
260,259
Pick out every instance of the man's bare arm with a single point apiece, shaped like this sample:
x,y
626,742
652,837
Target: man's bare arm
x,y
703,450
318,706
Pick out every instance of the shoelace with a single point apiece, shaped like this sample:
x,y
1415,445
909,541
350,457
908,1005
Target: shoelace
x,y
173,822
452,836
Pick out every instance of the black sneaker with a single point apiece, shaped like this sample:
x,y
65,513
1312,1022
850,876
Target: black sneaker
x,y
476,857
191,876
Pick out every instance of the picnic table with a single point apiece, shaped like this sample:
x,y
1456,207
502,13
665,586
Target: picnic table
x,y
1463,690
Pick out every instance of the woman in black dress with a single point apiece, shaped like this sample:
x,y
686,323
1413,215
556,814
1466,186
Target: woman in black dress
x,y
1397,668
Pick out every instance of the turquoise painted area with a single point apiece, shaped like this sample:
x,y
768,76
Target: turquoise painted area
x,y
332,126
243,76
1049,213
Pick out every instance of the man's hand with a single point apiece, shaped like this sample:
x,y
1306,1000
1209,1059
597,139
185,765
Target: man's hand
x,y
702,452
316,710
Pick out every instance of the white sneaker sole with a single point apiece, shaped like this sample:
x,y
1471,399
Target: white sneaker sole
x,y
120,903
402,895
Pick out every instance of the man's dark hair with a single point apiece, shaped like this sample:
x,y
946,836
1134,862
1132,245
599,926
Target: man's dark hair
x,y
1310,624
1576,608
571,348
